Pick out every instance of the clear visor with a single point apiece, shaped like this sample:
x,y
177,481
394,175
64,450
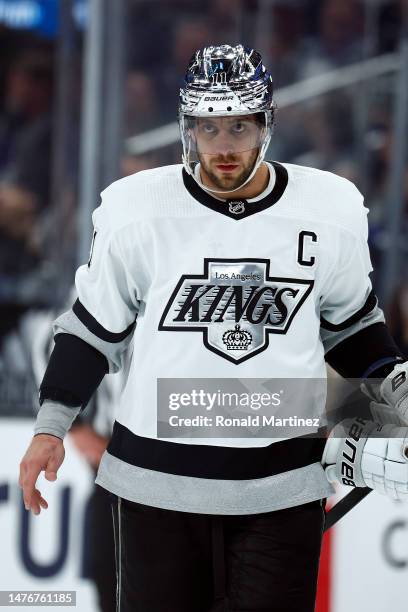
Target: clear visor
x,y
224,135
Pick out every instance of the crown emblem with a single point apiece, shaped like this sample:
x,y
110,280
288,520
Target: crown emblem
x,y
237,339
236,207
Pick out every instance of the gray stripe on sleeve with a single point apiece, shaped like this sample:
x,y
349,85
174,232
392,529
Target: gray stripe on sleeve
x,y
55,419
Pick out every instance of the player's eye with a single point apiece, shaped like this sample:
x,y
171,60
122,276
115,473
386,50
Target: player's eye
x,y
208,129
240,127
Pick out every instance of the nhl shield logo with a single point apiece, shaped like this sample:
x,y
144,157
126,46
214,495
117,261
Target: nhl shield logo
x,y
235,304
236,207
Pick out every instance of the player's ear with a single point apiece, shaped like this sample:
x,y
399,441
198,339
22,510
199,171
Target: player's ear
x,y
193,136
189,128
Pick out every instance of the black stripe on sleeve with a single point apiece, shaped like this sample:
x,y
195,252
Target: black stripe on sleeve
x,y
96,328
354,355
370,304
73,373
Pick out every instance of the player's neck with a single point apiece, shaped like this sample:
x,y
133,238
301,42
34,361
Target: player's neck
x,y
254,188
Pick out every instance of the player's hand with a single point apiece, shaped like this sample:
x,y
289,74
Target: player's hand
x,y
361,453
45,453
390,398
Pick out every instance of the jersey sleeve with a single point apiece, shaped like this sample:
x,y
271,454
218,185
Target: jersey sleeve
x,y
348,303
104,314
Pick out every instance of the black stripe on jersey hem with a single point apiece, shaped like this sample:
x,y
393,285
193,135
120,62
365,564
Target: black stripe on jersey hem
x,y
96,328
251,208
215,462
369,305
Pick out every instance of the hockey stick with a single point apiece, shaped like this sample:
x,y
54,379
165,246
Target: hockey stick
x,y
345,505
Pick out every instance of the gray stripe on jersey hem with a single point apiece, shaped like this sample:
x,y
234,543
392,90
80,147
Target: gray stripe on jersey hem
x,y
69,323
331,339
211,496
54,418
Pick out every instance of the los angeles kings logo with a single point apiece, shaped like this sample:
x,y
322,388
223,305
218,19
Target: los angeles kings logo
x,y
235,304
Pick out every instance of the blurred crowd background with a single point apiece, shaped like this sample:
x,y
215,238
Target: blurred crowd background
x,y
89,93
345,123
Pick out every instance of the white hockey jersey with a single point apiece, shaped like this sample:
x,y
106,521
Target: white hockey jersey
x,y
219,290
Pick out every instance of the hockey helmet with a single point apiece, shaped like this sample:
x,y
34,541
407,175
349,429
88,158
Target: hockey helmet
x,y
223,83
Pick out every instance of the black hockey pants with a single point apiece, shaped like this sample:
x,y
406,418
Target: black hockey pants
x,y
170,561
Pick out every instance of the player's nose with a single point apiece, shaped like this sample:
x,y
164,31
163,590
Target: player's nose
x,y
225,144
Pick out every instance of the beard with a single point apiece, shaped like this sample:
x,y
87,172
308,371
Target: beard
x,y
226,182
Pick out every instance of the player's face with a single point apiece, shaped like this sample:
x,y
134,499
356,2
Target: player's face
x,y
227,149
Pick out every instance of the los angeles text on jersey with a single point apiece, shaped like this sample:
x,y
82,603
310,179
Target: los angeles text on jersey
x,y
235,304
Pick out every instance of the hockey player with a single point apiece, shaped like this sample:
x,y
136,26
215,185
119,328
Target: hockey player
x,y
225,266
